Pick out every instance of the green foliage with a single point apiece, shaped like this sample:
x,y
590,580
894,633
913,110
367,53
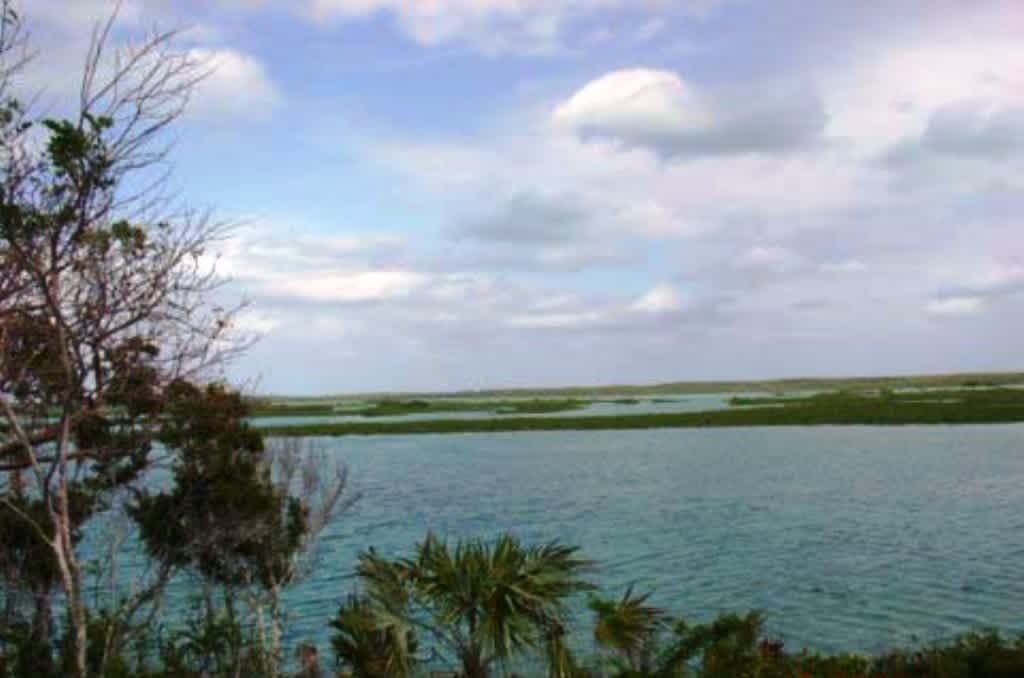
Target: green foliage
x,y
727,647
368,643
213,643
630,628
975,655
79,156
483,606
734,646
24,653
485,603
925,407
223,516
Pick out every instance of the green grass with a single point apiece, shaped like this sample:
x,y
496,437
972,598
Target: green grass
x,y
838,408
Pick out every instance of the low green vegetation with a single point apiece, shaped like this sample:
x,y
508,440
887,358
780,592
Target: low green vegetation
x,y
960,406
292,409
969,398
953,381
477,609
402,407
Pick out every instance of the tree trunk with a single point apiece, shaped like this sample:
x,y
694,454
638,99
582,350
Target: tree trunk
x,y
42,621
69,576
70,572
275,629
473,666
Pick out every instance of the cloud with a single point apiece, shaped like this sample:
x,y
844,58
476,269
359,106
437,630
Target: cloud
x,y
955,306
973,130
933,84
660,309
79,16
346,288
729,197
494,26
238,87
256,323
843,266
262,254
538,230
780,242
535,230
558,321
658,110
998,280
527,218
769,260
660,299
649,30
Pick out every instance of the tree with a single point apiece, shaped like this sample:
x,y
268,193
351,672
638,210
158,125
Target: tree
x,y
481,604
105,305
369,645
630,628
318,483
233,514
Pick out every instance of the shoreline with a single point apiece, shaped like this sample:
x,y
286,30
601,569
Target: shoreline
x,y
880,415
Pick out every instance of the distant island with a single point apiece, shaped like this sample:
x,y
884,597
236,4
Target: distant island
x,y
950,380
975,398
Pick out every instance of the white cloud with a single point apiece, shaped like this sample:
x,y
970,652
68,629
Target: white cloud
x,y
80,15
769,259
729,206
650,29
1003,277
791,238
256,323
636,103
238,87
894,93
340,268
491,26
557,321
955,306
987,279
660,299
657,109
354,287
843,266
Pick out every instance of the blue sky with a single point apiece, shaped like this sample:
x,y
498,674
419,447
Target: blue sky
x,y
448,194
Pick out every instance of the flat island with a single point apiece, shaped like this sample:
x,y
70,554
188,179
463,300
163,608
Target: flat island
x,y
945,399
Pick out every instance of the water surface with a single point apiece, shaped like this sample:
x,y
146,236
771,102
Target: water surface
x,y
848,538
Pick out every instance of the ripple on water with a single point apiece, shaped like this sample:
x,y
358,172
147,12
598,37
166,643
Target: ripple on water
x,y
848,538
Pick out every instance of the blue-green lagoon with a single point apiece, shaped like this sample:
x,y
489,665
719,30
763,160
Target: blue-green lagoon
x,y
848,538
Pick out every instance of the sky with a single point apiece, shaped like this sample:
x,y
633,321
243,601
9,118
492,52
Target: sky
x,y
461,194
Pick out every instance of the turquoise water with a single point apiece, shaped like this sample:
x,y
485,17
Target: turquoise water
x,y
848,538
